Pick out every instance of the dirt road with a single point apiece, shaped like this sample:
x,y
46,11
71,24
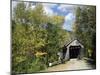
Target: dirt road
x,y
73,64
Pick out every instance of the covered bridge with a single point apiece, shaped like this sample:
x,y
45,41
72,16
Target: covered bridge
x,y
73,49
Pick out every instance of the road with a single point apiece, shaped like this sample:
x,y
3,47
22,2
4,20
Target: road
x,y
73,64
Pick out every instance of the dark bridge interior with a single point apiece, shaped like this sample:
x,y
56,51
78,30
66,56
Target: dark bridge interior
x,y
74,51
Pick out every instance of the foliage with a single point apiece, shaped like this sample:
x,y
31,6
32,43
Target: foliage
x,y
85,28
36,38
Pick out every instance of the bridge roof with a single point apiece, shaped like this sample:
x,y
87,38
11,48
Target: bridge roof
x,y
74,42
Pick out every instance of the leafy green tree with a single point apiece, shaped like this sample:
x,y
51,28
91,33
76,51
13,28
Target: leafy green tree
x,y
85,28
36,38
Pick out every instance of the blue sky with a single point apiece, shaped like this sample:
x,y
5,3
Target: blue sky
x,y
63,10
59,9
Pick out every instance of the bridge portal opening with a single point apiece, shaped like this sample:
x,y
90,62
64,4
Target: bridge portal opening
x,y
74,51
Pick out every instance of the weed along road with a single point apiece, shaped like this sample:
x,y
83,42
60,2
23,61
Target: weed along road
x,y
72,64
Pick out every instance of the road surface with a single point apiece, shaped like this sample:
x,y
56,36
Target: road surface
x,y
73,64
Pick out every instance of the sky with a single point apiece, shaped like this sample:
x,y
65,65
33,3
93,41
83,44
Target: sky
x,y
58,9
62,10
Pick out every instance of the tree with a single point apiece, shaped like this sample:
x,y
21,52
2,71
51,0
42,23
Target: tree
x,y
36,38
85,28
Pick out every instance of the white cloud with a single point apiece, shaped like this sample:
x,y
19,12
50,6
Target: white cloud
x,y
69,16
65,8
48,8
69,19
48,11
49,5
62,8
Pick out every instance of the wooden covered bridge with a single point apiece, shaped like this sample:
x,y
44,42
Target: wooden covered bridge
x,y
73,49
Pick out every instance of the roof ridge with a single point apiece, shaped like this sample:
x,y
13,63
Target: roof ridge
x,y
72,41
